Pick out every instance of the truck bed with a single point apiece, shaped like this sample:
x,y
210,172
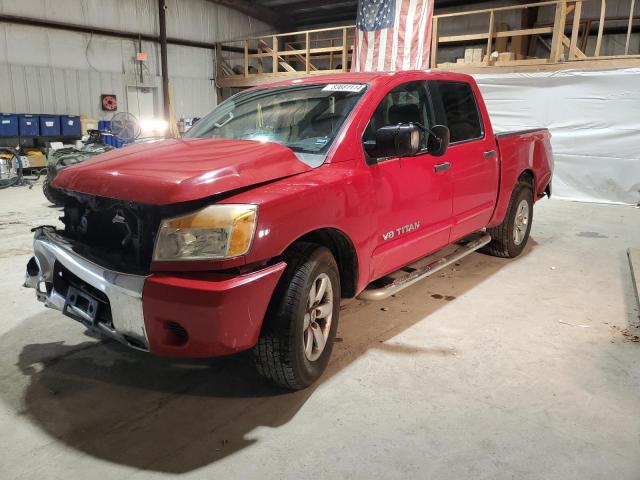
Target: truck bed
x,y
523,150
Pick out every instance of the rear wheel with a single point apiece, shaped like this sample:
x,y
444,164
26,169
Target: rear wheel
x,y
297,338
509,238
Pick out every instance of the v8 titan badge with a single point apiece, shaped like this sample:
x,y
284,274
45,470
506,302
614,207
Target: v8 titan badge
x,y
391,234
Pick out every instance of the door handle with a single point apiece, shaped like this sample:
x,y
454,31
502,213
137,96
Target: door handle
x,y
489,154
441,167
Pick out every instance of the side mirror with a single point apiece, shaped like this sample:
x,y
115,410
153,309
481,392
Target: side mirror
x,y
438,141
402,140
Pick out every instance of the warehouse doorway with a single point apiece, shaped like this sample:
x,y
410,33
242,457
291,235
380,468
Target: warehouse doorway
x,y
142,101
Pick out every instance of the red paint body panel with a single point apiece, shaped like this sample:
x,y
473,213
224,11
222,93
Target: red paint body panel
x,y
527,151
475,178
173,171
223,313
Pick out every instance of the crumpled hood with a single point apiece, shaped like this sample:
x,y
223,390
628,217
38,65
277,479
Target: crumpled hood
x,y
173,171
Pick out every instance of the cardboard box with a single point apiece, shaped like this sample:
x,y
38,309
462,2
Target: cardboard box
x,y
477,55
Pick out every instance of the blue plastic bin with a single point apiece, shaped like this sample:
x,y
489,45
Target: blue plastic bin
x,y
70,126
8,125
28,125
49,126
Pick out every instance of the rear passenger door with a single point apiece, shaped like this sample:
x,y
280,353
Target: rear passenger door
x,y
473,156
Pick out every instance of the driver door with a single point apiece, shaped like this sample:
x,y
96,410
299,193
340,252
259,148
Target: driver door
x,y
413,195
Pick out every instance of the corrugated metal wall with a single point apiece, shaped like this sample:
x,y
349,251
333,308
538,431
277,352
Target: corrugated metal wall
x,y
53,71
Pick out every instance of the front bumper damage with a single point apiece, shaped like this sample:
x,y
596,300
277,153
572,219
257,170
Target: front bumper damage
x,y
55,255
184,314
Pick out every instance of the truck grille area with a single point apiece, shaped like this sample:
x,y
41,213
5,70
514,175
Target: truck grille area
x,y
115,234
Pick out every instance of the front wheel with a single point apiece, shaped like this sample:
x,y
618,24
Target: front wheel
x,y
302,319
510,237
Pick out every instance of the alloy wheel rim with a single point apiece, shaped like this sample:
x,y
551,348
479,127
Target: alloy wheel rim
x,y
521,223
317,318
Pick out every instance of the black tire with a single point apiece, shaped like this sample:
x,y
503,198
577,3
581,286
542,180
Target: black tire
x,y
54,195
279,354
503,243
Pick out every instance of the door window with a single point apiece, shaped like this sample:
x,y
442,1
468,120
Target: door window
x,y
406,103
456,107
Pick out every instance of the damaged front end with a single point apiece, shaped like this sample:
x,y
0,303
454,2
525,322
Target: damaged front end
x,y
102,299
113,233
94,269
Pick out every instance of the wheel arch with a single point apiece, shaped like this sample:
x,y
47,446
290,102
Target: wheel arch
x,y
506,190
343,251
528,176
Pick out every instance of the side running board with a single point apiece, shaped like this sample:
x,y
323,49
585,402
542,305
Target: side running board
x,y
426,266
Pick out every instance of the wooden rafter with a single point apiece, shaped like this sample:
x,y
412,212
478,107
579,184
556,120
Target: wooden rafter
x,y
283,63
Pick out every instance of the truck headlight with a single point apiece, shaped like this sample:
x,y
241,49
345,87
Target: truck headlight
x,y
215,232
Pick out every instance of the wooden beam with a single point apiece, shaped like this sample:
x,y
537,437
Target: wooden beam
x,y
497,34
274,55
518,63
307,56
246,58
579,54
528,31
626,46
557,47
575,29
344,49
434,43
490,37
463,38
501,34
603,7
281,60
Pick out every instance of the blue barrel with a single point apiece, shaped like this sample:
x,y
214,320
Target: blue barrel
x,y
28,125
49,126
70,126
8,125
108,138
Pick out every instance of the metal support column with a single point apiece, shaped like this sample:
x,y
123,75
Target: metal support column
x,y
162,18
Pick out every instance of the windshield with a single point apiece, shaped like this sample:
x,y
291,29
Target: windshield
x,y
305,118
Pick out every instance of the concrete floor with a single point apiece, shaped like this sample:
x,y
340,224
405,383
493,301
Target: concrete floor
x,y
494,369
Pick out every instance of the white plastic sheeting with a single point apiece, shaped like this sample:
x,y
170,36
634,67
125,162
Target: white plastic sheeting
x,y
594,119
53,71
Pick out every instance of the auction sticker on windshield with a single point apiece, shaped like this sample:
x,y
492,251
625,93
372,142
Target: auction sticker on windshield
x,y
343,87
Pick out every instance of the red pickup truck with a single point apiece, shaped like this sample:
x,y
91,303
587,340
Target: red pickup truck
x,y
247,232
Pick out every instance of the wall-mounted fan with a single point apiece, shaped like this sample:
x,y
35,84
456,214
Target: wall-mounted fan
x,y
109,103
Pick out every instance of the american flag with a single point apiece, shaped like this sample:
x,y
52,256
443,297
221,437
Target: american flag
x,y
392,35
